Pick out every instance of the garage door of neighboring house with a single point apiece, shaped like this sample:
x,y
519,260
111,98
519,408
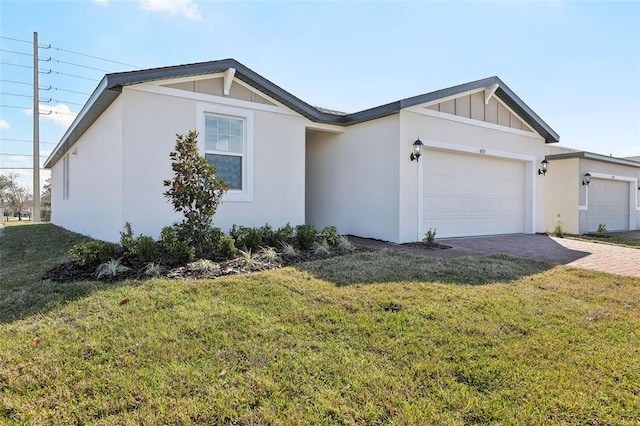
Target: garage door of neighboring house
x,y
608,205
467,195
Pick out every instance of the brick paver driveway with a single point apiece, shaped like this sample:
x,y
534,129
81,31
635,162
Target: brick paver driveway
x,y
580,254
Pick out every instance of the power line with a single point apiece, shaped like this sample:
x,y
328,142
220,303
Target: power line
x,y
15,65
15,39
51,111
65,90
94,57
62,73
15,94
22,155
25,140
77,65
17,53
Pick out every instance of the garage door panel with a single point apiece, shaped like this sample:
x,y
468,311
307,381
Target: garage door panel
x,y
608,205
468,195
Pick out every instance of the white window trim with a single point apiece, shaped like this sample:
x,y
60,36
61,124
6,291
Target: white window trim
x,y
246,194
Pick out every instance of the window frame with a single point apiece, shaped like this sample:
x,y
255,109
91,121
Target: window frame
x,y
202,110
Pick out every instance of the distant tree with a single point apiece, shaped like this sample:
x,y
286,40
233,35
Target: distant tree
x,y
194,190
16,196
45,201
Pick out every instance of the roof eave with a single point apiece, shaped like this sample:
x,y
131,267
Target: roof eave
x,y
593,156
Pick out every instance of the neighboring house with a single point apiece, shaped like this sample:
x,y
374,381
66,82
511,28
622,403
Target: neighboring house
x,y
287,161
611,197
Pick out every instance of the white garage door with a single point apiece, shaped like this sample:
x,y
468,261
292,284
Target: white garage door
x,y
608,204
466,195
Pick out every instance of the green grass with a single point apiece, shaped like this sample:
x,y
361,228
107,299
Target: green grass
x,y
614,239
370,338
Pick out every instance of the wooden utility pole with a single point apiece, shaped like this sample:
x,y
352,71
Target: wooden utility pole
x,y
36,133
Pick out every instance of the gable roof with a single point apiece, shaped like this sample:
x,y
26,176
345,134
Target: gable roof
x,y
111,86
561,153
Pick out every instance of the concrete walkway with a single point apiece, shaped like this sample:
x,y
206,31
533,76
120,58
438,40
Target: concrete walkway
x,y
579,254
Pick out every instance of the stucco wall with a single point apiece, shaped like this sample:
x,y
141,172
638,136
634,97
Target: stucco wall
x,y
94,206
563,189
352,179
149,133
467,136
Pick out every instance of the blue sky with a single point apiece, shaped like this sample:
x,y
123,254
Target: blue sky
x,y
576,64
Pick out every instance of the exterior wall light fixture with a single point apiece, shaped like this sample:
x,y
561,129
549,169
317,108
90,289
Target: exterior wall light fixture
x,y
587,179
544,164
417,150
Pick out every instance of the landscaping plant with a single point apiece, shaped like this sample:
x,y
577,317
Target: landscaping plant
x,y
194,190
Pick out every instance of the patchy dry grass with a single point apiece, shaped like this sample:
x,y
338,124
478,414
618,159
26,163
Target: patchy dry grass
x,y
369,338
613,239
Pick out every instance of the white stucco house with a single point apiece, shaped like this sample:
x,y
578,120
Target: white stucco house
x,y
287,161
588,189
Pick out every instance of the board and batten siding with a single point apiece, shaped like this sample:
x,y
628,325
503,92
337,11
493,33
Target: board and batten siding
x,y
473,106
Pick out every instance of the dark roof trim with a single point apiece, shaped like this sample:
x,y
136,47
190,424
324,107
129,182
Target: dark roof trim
x,y
594,156
111,86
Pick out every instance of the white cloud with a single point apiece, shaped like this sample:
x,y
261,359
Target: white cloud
x,y
60,114
101,1
4,125
174,7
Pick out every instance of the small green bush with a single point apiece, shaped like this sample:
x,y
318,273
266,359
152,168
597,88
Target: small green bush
x,y
602,229
247,238
177,250
283,235
126,239
145,249
227,247
306,236
558,231
430,237
330,233
93,252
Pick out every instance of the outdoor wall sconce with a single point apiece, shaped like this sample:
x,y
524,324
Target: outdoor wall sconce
x,y
417,150
544,164
587,179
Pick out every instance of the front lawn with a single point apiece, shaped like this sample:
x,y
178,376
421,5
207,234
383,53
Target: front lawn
x,y
369,338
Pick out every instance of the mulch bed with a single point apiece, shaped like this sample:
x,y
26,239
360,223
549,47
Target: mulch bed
x,y
71,271
424,246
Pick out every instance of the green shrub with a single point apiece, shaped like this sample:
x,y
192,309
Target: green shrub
x,y
330,233
247,238
126,239
602,229
93,252
177,250
430,237
283,235
558,231
145,249
306,236
227,247
194,190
